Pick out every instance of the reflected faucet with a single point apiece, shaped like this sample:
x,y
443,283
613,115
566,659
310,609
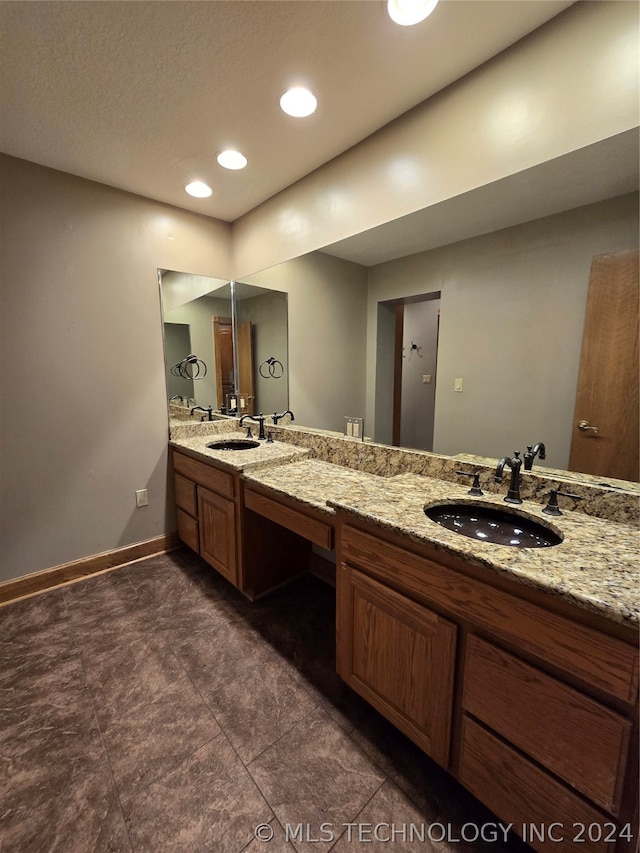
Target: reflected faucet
x,y
208,412
256,419
513,495
276,417
176,397
537,450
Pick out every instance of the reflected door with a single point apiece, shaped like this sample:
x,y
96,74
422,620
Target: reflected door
x,y
223,351
606,432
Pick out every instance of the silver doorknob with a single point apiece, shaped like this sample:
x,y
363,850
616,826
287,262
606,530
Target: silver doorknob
x,y
585,426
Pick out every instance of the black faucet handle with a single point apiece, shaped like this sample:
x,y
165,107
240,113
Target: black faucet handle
x,y
475,486
552,507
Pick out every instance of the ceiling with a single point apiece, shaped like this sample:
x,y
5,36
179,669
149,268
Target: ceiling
x,y
142,95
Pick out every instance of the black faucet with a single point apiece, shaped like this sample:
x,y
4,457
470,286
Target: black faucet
x,y
176,397
276,417
208,412
537,450
257,419
513,495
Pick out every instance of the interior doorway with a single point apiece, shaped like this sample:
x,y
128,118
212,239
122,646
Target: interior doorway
x,y
417,326
226,380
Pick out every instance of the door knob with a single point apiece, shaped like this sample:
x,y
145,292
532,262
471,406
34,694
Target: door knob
x,y
585,426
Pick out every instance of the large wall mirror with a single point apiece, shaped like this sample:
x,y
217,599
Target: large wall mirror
x,y
493,289
237,337
475,307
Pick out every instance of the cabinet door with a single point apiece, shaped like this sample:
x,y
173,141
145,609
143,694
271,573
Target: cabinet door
x,y
399,656
217,532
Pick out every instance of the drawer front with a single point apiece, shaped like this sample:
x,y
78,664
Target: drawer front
x,y
535,803
188,530
316,531
186,495
611,664
205,475
575,737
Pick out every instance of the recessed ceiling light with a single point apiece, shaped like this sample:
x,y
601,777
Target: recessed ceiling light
x,y
232,159
409,12
298,102
198,189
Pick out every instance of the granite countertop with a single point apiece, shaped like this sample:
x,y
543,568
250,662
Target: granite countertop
x,y
267,454
595,566
313,483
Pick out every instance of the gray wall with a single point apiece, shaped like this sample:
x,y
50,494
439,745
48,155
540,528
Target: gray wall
x,y
198,315
268,315
327,336
86,423
512,311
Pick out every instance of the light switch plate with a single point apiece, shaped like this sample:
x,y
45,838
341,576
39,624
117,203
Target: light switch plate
x,y
354,427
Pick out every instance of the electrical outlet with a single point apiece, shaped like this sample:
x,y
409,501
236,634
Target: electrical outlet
x,y
142,498
426,379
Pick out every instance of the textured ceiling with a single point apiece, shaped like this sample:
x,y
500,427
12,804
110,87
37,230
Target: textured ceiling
x,y
142,95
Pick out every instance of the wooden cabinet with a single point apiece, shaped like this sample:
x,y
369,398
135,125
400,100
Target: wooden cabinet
x,y
546,813
256,542
576,738
216,521
399,656
207,513
541,722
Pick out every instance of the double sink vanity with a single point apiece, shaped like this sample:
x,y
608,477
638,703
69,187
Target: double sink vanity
x,y
514,668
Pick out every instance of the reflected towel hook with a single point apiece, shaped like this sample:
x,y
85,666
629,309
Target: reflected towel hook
x,y
413,348
274,368
191,367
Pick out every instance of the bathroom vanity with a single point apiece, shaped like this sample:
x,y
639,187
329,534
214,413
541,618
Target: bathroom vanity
x,y
529,702
516,669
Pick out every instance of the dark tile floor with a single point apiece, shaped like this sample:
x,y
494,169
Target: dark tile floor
x,y
154,709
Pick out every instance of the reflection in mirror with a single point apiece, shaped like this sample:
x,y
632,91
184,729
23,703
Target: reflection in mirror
x,y
510,331
262,335
232,328
189,304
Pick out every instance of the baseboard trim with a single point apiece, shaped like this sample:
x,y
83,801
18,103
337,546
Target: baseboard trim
x,y
48,579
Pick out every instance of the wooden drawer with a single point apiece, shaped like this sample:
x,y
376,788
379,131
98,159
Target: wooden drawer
x,y
524,795
188,530
186,498
205,475
575,737
611,664
319,532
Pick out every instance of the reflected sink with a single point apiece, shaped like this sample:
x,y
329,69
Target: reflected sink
x,y
493,524
233,444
